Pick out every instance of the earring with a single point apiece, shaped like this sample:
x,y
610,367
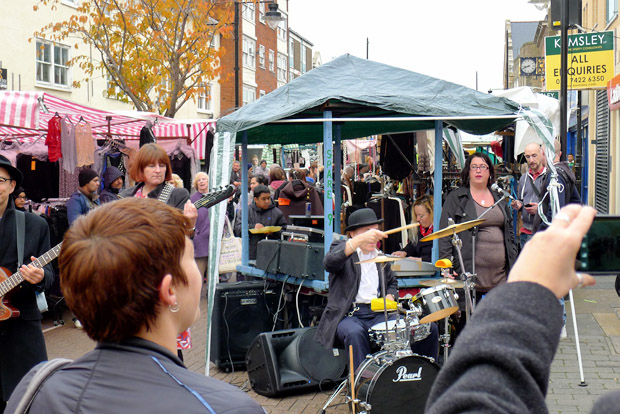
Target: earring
x,y
174,308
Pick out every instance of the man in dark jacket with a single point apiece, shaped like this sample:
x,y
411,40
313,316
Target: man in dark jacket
x,y
262,213
113,181
352,286
85,198
22,345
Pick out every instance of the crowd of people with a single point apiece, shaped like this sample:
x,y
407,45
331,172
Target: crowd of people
x,y
153,289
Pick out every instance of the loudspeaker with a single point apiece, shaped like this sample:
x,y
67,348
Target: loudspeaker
x,y
288,361
302,259
241,311
268,255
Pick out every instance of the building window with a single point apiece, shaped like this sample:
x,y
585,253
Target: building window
x,y
249,94
113,91
282,67
261,56
51,62
72,3
261,12
261,93
205,101
249,53
248,12
303,59
612,9
282,30
291,52
272,60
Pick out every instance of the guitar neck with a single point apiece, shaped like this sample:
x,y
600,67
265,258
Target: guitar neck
x,y
214,197
16,278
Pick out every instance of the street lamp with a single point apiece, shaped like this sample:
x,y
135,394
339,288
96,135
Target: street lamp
x,y
273,18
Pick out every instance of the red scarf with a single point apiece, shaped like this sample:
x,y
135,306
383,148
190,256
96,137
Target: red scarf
x,y
425,232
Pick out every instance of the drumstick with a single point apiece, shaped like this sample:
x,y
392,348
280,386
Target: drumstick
x,y
352,377
397,229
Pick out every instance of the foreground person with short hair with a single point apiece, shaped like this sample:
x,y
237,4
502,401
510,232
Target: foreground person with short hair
x,y
128,273
501,361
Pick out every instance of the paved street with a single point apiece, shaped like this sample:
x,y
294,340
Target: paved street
x,y
597,311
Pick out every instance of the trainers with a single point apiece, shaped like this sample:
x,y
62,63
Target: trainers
x,y
563,334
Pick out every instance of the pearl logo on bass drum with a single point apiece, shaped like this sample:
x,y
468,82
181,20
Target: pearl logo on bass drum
x,y
404,376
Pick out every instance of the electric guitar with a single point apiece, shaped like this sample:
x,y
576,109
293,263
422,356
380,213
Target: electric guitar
x,y
214,197
8,283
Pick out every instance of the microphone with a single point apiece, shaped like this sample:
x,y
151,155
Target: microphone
x,y
500,190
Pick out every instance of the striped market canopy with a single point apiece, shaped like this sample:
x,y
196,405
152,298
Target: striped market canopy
x,y
25,115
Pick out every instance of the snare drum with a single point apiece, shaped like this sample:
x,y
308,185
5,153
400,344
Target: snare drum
x,y
397,332
437,302
388,382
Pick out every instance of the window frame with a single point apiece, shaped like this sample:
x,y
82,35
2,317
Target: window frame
x,y
249,54
249,12
272,61
282,72
204,101
248,89
261,56
52,65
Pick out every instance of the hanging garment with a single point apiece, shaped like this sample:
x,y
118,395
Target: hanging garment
x,y
40,177
392,219
146,134
67,138
84,144
53,139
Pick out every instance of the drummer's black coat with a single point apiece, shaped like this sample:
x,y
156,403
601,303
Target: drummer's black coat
x,y
344,282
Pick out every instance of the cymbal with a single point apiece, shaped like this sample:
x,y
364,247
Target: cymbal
x,y
266,230
383,258
435,282
454,228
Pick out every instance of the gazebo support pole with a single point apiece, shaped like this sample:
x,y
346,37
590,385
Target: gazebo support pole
x,y
245,240
437,185
337,177
328,177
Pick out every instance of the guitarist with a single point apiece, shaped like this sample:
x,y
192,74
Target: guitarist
x,y
151,170
21,339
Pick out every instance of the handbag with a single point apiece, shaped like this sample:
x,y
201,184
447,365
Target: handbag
x,y
230,253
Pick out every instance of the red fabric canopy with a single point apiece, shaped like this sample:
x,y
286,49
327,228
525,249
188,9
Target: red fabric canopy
x,y
24,116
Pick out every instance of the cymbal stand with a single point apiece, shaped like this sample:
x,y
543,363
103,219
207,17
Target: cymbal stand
x,y
466,277
383,290
445,338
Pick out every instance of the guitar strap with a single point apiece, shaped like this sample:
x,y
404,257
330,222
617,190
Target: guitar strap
x,y
164,196
20,228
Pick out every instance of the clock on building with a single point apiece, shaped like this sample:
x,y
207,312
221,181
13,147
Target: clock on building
x,y
528,66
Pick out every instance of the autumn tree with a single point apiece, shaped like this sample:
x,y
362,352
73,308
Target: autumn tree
x,y
160,53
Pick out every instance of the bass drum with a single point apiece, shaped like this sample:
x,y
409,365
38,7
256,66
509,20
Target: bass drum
x,y
388,382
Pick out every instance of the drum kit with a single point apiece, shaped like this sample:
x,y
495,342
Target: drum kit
x,y
395,377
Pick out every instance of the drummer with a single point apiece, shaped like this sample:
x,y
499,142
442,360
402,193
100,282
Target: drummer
x,y
347,316
423,210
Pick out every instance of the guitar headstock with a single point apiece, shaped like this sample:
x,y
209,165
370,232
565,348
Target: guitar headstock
x,y
216,196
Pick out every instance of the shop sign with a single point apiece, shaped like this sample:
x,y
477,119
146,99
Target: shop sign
x,y
590,60
555,95
613,93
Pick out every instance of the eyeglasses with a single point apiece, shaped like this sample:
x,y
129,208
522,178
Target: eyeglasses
x,y
482,167
4,180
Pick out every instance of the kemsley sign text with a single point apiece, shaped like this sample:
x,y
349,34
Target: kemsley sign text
x,y
590,60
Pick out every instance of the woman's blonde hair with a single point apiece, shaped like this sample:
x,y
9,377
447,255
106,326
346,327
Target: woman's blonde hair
x,y
425,201
198,177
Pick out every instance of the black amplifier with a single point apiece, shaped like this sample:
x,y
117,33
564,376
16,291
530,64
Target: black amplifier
x,y
302,259
312,235
268,255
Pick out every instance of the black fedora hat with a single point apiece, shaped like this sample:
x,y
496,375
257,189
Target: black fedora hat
x,y
362,217
13,172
